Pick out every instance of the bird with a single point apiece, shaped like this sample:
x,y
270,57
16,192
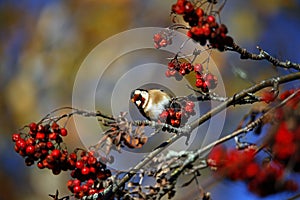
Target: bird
x,y
151,103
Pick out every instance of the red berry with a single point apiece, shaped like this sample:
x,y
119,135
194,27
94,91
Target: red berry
x,y
190,104
197,31
40,136
33,127
164,115
90,182
49,159
79,164
167,73
15,137
70,184
73,156
92,160
54,126
163,43
178,9
101,175
77,189
181,2
199,12
30,141
171,113
210,80
93,170
189,34
198,68
188,7
182,71
56,154
30,150
85,188
84,158
189,109
53,136
63,132
92,191
172,72
199,83
40,165
175,122
157,37
211,19
206,30
21,144
44,151
76,182
85,171
45,163
223,28
50,145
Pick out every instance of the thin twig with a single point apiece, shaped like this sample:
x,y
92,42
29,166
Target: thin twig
x,y
263,55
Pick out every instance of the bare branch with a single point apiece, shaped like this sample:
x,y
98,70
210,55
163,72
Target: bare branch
x,y
263,55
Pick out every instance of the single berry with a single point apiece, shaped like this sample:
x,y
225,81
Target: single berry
x,y
54,126
30,150
199,12
188,7
40,136
56,154
33,127
52,136
211,19
79,164
198,68
85,171
40,165
77,189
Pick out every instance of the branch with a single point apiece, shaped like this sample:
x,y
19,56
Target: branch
x,y
263,55
239,96
187,129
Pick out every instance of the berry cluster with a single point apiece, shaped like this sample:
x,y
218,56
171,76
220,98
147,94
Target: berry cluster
x,y
162,39
263,180
203,26
204,81
88,174
178,113
42,144
286,141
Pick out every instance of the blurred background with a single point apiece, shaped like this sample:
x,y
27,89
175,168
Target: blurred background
x,y
43,43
